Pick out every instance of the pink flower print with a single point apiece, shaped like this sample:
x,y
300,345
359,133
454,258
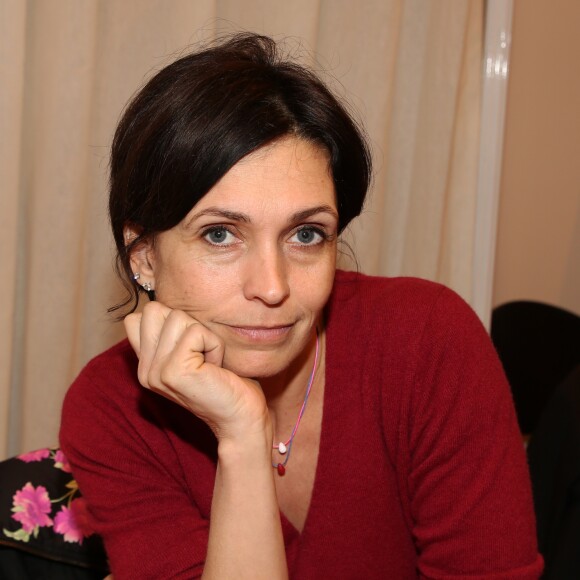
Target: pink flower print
x,y
73,521
61,462
31,508
38,455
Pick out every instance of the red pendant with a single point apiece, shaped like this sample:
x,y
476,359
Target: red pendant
x,y
281,469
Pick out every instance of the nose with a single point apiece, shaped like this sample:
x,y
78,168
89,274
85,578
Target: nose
x,y
265,277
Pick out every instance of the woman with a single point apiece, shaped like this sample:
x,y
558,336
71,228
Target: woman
x,y
270,417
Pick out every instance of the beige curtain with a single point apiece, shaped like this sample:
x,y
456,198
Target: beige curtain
x,y
411,68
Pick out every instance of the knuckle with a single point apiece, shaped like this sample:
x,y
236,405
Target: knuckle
x,y
130,318
150,307
143,376
176,316
153,309
154,375
193,329
167,376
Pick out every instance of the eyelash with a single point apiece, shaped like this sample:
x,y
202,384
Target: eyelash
x,y
306,228
312,229
214,229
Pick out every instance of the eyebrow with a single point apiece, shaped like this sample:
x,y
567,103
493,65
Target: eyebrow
x,y
242,217
306,213
217,212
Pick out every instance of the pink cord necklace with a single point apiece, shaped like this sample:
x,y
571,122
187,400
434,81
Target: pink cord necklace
x,y
285,447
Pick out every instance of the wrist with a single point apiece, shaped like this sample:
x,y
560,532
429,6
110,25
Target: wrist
x,y
248,446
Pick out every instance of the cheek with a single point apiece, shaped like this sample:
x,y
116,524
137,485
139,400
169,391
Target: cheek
x,y
198,285
193,286
314,285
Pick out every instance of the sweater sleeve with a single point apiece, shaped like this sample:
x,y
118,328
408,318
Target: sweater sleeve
x,y
467,479
130,475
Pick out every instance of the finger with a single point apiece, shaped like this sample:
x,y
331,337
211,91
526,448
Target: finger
x,y
173,329
199,339
152,322
132,324
187,353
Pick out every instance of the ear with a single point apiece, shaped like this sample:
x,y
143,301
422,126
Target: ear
x,y
142,256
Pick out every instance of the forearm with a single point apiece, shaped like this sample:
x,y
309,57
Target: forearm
x,y
245,539
181,359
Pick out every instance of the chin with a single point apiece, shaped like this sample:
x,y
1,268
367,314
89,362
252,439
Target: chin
x,y
258,365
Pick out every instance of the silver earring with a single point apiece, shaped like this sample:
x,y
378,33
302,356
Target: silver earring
x,y
136,276
150,292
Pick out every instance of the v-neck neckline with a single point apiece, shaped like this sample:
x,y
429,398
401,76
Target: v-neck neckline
x,y
289,530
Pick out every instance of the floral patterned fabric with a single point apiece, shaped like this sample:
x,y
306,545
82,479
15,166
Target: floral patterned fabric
x,y
42,511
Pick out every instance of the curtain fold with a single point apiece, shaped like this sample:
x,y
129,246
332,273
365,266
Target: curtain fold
x,y
409,68
12,208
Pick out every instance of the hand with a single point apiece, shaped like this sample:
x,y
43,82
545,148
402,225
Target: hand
x,y
181,359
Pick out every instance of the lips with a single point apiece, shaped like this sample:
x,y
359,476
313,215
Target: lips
x,y
261,333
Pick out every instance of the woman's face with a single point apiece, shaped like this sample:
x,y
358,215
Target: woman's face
x,y
254,260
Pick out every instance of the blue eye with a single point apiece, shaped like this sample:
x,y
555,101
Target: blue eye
x,y
308,236
219,236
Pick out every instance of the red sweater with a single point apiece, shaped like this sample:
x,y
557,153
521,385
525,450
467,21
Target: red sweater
x,y
421,469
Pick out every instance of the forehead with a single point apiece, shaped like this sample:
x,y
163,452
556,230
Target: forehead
x,y
287,174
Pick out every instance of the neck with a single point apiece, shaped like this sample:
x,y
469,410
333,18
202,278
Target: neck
x,y
285,392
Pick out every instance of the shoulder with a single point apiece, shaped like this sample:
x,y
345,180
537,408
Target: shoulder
x,y
400,304
107,381
346,283
410,329
119,355
106,408
118,363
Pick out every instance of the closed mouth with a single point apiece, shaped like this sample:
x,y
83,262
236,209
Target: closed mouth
x,y
261,333
273,327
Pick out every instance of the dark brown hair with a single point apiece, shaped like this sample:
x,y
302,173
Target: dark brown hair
x,y
200,115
